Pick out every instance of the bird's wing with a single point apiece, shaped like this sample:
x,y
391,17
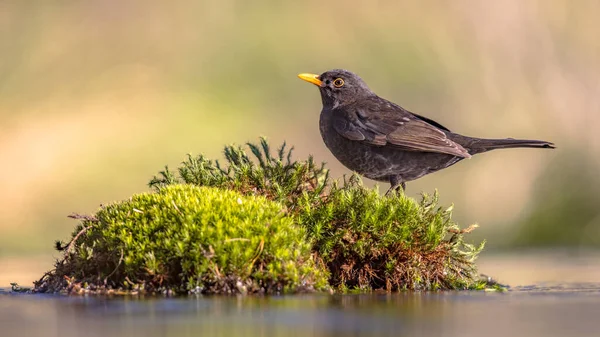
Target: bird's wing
x,y
393,126
431,121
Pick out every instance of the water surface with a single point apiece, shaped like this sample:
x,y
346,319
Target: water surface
x,y
569,308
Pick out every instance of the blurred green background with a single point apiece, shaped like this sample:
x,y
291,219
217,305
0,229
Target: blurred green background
x,y
97,96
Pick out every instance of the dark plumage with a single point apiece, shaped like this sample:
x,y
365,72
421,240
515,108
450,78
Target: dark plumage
x,y
385,142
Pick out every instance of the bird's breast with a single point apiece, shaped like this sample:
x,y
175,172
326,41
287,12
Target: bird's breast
x,y
357,156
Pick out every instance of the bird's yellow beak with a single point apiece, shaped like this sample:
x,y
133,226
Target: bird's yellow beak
x,y
311,78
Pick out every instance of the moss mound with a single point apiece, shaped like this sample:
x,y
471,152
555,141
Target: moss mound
x,y
189,238
294,230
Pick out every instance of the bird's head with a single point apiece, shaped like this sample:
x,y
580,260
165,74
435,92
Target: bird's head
x,y
338,87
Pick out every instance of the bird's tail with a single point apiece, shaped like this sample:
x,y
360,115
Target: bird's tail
x,y
478,145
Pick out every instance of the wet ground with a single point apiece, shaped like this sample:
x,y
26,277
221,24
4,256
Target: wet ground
x,y
570,308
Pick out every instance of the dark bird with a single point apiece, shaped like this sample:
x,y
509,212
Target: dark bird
x,y
385,142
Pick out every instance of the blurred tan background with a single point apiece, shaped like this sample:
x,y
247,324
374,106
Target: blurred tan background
x,y
97,96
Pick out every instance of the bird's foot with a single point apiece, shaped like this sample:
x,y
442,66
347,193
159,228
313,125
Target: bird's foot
x,y
396,188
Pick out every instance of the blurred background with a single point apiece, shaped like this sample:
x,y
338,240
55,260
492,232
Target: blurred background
x,y
97,96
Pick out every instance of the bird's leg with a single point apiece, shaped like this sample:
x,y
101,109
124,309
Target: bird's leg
x,y
396,184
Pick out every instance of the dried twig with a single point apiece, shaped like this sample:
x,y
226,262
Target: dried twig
x,y
86,217
117,267
74,239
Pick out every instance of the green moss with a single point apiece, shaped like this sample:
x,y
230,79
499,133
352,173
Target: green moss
x,y
275,177
266,224
190,238
393,243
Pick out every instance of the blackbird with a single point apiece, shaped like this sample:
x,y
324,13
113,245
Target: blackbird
x,y
385,142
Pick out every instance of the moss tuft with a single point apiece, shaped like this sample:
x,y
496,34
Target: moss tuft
x,y
392,243
274,177
189,238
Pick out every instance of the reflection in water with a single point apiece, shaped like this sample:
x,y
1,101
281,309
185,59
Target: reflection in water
x,y
526,311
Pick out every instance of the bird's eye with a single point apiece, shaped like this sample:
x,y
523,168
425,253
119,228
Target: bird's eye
x,y
338,82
